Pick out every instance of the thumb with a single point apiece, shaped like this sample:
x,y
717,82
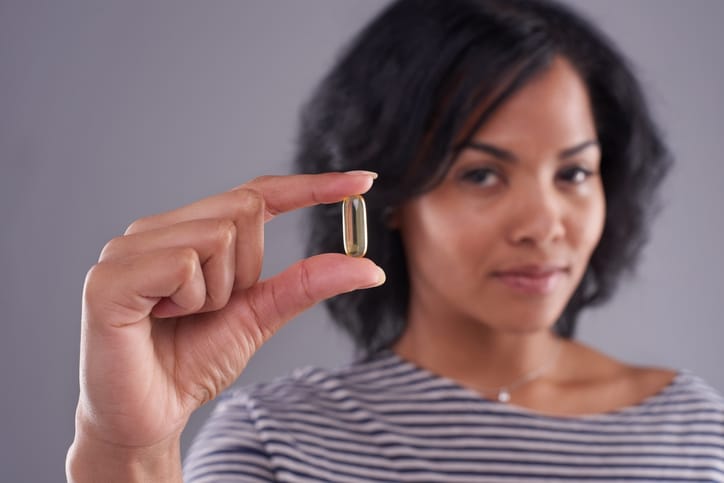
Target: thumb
x,y
272,302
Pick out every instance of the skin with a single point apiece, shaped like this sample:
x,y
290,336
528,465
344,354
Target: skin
x,y
527,194
173,311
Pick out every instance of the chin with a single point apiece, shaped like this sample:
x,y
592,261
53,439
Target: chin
x,y
529,327
524,322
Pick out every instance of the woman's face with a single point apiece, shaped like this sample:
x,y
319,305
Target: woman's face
x,y
506,237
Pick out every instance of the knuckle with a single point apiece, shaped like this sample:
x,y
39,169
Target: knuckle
x,y
213,302
201,392
305,283
253,311
93,277
225,232
199,304
95,286
188,261
262,179
110,248
248,314
264,325
217,299
254,200
190,271
264,332
248,202
137,226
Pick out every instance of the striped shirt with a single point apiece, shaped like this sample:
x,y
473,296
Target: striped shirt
x,y
386,420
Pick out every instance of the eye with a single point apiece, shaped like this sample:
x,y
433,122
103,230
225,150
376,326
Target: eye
x,y
481,176
575,174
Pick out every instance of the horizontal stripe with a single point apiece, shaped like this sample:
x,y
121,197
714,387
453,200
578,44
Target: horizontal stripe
x,y
386,420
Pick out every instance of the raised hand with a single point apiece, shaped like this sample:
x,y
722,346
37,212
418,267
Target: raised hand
x,y
174,309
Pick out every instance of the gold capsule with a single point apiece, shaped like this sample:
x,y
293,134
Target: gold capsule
x,y
354,226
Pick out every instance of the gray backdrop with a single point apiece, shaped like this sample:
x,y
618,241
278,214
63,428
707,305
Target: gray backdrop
x,y
114,110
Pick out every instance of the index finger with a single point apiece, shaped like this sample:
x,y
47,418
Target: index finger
x,y
279,194
286,193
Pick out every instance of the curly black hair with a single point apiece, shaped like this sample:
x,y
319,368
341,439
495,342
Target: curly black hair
x,y
406,95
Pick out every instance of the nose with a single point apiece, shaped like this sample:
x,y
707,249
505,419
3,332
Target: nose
x,y
536,216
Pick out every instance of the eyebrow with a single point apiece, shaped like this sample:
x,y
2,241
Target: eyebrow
x,y
505,155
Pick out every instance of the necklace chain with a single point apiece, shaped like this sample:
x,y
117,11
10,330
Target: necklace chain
x,y
503,392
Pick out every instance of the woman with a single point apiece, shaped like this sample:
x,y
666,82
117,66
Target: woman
x,y
517,167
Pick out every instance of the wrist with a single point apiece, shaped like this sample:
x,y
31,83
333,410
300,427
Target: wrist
x,y
91,459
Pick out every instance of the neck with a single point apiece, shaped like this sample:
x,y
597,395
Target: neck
x,y
470,352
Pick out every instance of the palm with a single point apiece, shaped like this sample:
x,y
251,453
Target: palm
x,y
171,367
204,353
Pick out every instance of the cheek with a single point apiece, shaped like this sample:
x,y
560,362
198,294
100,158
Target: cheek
x,y
590,223
446,234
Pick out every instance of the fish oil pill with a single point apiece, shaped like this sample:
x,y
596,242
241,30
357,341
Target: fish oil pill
x,y
354,226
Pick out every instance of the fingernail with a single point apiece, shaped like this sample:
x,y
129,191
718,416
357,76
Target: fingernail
x,y
358,172
381,278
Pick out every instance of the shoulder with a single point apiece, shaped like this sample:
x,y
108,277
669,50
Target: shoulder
x,y
613,384
686,387
679,389
309,390
319,387
251,424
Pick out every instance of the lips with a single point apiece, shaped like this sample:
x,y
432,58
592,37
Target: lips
x,y
532,279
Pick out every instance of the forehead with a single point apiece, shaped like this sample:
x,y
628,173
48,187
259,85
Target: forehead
x,y
552,108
